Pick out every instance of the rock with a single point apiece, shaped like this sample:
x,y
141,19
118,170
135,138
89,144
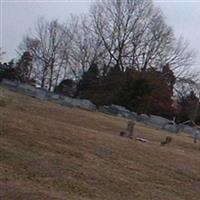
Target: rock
x,y
83,103
143,118
103,109
158,122
40,94
66,101
116,111
119,108
141,139
133,115
171,128
108,110
122,111
9,83
197,135
26,88
188,129
20,87
194,132
52,96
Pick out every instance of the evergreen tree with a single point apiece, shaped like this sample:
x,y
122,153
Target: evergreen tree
x,y
112,85
24,67
20,71
88,85
188,105
8,71
66,87
148,92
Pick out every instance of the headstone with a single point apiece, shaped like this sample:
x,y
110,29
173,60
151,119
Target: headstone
x,y
130,129
196,135
168,140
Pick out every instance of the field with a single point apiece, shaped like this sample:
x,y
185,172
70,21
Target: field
x,y
52,152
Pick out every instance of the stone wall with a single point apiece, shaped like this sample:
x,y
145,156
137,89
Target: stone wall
x,y
153,120
48,96
115,110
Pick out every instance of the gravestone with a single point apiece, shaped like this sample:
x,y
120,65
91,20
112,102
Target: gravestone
x,y
168,140
130,129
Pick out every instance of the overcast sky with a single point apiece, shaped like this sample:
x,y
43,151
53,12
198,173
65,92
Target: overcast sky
x,y
18,16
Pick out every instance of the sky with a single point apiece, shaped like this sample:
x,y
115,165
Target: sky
x,y
17,17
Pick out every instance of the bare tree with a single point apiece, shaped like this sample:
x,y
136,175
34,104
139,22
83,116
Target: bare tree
x,y
134,34
47,46
86,47
123,33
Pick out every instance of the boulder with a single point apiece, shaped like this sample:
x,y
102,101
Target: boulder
x,y
52,96
119,108
194,132
188,129
171,128
197,135
121,111
66,101
116,110
143,118
133,115
9,83
20,87
41,94
27,89
158,122
83,103
108,110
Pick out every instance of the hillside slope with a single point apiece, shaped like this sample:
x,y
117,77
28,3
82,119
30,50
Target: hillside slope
x,y
52,152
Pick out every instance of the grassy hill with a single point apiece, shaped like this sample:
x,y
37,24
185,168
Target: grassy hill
x,y
52,152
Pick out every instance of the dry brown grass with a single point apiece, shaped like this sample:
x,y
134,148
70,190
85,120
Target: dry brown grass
x,y
52,152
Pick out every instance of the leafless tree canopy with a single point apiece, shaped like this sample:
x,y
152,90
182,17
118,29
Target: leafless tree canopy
x,y
123,33
48,46
134,34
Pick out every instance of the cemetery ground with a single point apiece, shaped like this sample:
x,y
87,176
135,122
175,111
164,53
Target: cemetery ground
x,y
48,151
